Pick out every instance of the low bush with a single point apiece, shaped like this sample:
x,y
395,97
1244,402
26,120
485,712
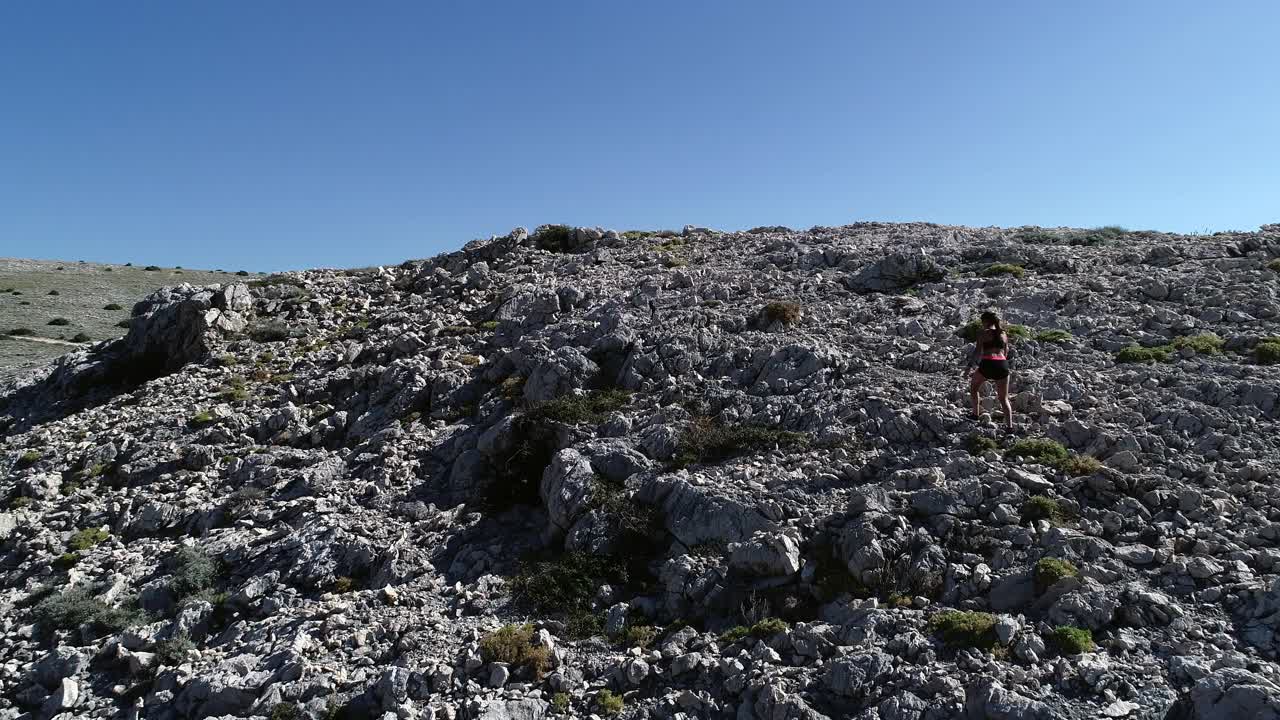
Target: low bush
x,y
112,306
996,269
1041,507
344,584
66,560
53,292
513,645
707,441
560,702
969,331
470,360
236,390
762,630
81,606
1072,640
174,650
1267,352
59,321
1139,354
30,457
269,331
1078,465
554,238
787,313
192,572
1053,336
21,332
589,407
152,268
285,711
641,636
978,444
1274,265
1041,450
565,586
242,273
1050,570
610,704
123,324
961,628
489,325
1205,343
87,538
81,338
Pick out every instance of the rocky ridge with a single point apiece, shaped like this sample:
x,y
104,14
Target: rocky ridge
x,y
676,475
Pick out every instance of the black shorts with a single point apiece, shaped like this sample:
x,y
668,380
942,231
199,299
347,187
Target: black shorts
x,y
994,369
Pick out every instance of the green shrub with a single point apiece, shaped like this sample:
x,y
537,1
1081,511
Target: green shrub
x,y
82,606
193,571
152,268
1274,265
978,444
564,587
242,273
1018,332
513,644
174,650
20,502
344,584
706,441
59,321
81,338
554,238
560,701
1267,352
54,292
1205,343
1041,450
965,629
1053,336
30,457
470,360
574,409
1050,570
124,324
639,636
1040,507
86,538
202,418
995,269
1077,465
66,560
787,313
285,711
762,630
1072,640
269,331
21,332
112,306
489,325
610,704
1139,354
235,391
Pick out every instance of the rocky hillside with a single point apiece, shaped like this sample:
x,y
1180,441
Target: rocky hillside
x,y
663,475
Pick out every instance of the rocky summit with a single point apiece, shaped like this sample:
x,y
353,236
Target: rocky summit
x,y
697,474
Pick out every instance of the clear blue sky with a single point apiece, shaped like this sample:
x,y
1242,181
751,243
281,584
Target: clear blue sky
x,y
277,135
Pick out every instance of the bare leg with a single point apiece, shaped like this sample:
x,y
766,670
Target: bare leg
x,y
1002,391
975,390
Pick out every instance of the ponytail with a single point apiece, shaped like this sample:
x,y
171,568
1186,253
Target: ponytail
x,y
990,318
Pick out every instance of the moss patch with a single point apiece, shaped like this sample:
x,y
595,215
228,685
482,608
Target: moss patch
x,y
1041,507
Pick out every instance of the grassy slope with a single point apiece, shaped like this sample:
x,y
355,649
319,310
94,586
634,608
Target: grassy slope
x,y
83,290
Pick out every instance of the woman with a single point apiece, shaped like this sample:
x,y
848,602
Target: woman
x,y
991,344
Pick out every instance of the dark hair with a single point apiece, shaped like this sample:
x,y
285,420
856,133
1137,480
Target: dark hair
x,y
990,318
